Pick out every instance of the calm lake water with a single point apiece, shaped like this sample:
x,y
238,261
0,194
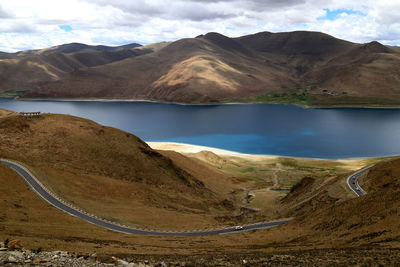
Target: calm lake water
x,y
256,129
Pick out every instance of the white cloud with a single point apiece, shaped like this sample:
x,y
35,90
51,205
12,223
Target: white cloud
x,y
35,24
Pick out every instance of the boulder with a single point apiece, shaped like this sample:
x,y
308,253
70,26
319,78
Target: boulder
x,y
16,254
123,263
14,244
11,259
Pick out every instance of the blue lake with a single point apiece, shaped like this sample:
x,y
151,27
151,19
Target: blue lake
x,y
255,128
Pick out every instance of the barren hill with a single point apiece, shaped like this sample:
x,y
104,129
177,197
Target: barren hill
x,y
115,174
26,70
198,70
67,49
301,67
331,214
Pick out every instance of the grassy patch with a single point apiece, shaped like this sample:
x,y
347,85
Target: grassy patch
x,y
299,98
13,93
286,95
257,178
288,162
236,164
340,101
309,168
251,169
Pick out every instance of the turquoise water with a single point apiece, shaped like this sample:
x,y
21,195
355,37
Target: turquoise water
x,y
254,128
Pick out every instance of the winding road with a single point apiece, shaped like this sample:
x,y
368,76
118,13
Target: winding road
x,y
353,183
74,211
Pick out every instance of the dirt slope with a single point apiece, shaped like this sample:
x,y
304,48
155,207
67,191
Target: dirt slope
x,y
86,162
335,215
26,217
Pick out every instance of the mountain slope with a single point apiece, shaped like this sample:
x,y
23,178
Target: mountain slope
x,y
211,68
301,67
335,217
28,72
67,49
295,43
113,173
367,73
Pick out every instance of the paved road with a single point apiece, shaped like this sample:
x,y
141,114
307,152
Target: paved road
x,y
353,183
60,204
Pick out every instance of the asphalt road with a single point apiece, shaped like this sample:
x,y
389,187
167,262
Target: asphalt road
x,y
353,183
60,204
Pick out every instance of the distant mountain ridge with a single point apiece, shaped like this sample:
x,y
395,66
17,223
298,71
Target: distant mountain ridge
x,y
308,68
66,49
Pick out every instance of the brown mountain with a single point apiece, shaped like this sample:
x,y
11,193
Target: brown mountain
x,y
290,67
25,71
209,68
67,49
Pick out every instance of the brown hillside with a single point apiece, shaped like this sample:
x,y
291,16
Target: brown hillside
x,y
26,217
295,43
86,163
198,70
28,72
25,73
345,220
367,72
226,43
73,48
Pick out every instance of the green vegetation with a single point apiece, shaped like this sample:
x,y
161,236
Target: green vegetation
x,y
257,178
251,169
361,101
296,95
300,98
236,164
288,162
13,93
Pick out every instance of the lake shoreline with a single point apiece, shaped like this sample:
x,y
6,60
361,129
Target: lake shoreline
x,y
333,106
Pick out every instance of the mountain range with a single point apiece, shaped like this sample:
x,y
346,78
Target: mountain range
x,y
308,68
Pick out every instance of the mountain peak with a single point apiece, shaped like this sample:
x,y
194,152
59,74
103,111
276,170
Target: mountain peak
x,y
225,42
375,47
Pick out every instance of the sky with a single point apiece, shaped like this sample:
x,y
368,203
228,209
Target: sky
x,y
34,24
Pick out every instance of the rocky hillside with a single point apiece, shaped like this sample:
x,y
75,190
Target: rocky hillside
x,y
309,68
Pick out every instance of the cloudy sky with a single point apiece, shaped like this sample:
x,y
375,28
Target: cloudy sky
x,y
27,24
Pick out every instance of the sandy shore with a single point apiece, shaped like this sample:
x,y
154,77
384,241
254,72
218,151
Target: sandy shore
x,y
188,148
192,149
